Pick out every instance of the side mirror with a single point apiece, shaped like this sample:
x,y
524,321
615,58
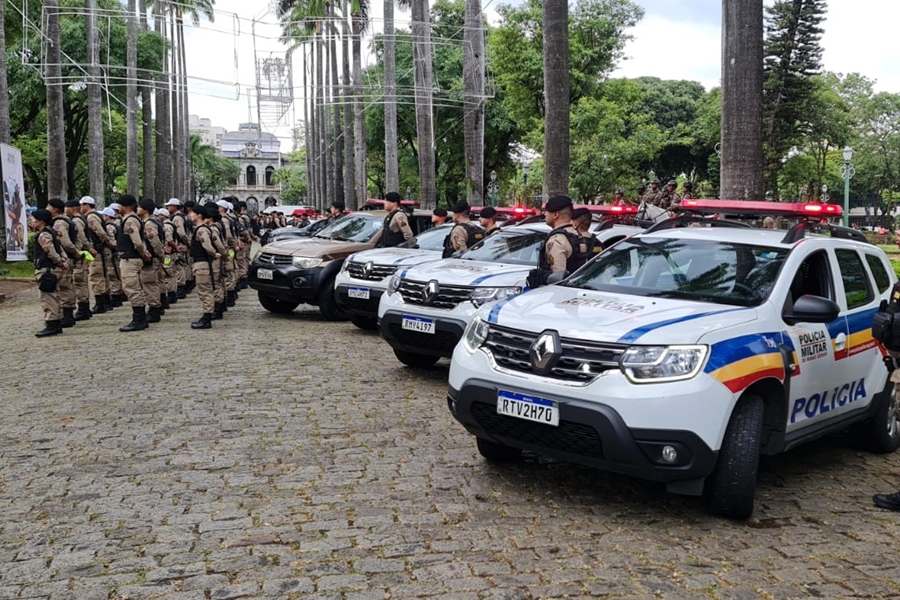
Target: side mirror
x,y
555,278
812,309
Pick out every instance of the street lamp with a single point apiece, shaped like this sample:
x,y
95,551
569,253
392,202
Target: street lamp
x,y
825,198
847,171
408,191
492,189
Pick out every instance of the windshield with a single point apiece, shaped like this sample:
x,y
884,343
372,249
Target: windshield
x,y
352,228
509,247
430,239
720,272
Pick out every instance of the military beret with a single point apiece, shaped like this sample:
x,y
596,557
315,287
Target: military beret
x,y
392,197
211,211
56,203
558,203
190,204
580,212
71,203
439,212
148,206
460,207
488,212
42,215
127,200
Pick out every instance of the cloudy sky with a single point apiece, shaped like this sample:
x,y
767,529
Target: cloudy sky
x,y
677,39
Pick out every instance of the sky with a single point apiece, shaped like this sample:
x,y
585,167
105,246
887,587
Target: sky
x,y
677,39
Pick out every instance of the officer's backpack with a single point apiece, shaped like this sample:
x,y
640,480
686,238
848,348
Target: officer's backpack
x,y
886,324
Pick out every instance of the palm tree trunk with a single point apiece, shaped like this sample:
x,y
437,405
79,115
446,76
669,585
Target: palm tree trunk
x,y
4,86
185,191
328,108
175,106
556,97
322,123
95,106
309,136
349,144
391,154
359,117
56,134
149,169
131,127
336,105
163,137
421,31
742,98
473,90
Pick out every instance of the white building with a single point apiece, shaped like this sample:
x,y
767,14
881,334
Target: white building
x,y
209,134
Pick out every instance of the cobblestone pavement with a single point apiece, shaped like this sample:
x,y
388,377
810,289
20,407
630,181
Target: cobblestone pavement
x,y
286,457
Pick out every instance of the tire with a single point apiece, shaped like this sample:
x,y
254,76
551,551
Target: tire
x,y
279,307
411,359
366,323
882,434
497,453
328,305
731,487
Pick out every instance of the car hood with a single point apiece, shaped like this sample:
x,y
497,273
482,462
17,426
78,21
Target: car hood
x,y
457,271
317,248
396,256
610,317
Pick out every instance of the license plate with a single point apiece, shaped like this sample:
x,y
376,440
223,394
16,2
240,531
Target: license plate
x,y
529,408
418,324
357,292
265,274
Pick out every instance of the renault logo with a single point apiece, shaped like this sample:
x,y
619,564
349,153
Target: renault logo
x,y
431,291
367,269
544,352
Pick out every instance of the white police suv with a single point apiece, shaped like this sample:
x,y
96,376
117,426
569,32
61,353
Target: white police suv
x,y
683,353
364,276
427,307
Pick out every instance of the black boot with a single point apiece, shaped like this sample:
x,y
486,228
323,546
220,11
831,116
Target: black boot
x,y
118,300
173,298
155,314
50,328
219,312
229,298
68,319
138,320
164,300
181,292
84,312
205,322
101,304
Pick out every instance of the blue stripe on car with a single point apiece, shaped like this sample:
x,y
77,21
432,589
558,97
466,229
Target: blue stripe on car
x,y
634,334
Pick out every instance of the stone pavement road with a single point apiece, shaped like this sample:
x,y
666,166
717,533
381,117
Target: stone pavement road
x,y
286,457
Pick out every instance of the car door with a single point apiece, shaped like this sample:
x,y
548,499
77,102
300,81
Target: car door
x,y
816,346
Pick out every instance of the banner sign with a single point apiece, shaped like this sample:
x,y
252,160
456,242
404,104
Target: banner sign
x,y
14,204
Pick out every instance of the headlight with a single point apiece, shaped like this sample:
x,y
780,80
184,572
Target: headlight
x,y
393,285
475,334
306,263
654,364
345,266
481,296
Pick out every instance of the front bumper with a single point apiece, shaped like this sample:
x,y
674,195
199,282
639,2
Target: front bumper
x,y
588,433
448,332
358,306
288,282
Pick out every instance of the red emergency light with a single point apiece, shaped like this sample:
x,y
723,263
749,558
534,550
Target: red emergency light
x,y
603,209
755,207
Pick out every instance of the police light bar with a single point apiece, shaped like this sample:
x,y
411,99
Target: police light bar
x,y
516,212
755,207
603,209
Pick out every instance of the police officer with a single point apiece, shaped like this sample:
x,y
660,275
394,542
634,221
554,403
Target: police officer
x,y
49,257
111,225
335,212
189,208
581,221
217,233
169,266
150,271
134,253
670,198
642,193
204,254
619,198
66,235
687,190
230,237
438,216
566,250
182,239
488,220
98,270
86,255
654,193
245,225
396,229
464,234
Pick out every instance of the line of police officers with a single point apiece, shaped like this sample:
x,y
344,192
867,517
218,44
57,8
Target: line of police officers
x,y
136,252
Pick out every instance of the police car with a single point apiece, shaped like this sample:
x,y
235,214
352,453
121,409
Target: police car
x,y
683,353
427,307
365,275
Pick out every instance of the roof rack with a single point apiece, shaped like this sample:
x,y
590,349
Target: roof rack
x,y
798,232
680,220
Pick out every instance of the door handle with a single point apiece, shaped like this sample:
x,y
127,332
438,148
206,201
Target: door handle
x,y
840,341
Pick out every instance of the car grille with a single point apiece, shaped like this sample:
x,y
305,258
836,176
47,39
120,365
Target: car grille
x,y
448,296
267,258
440,341
573,438
356,270
581,361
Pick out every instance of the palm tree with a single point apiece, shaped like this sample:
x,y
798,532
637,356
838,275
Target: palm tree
x,y
56,134
421,33
131,130
473,105
95,105
391,153
742,100
163,129
556,97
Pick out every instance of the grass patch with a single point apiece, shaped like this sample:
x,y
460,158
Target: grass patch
x,y
23,268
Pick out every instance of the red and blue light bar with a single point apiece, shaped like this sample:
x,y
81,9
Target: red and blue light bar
x,y
755,207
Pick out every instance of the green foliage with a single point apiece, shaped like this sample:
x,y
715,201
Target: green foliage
x,y
211,173
292,178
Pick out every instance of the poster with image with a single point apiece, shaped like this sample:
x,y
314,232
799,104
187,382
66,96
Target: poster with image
x,y
14,203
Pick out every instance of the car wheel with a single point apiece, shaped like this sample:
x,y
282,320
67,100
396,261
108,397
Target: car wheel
x,y
367,323
279,307
328,305
412,359
882,434
497,453
731,487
